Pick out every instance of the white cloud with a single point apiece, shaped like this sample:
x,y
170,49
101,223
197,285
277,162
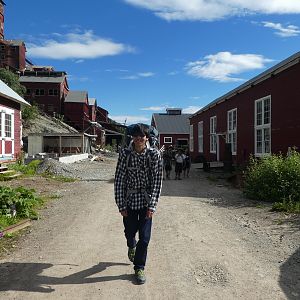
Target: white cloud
x,y
224,65
154,108
208,10
76,46
138,76
79,61
146,74
130,119
131,77
173,73
288,31
116,70
191,109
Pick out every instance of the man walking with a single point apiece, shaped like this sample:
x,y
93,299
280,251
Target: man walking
x,y
138,181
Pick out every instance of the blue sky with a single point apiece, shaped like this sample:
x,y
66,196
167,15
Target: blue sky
x,y
138,57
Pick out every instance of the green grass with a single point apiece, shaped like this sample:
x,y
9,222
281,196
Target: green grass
x,y
7,221
287,206
59,178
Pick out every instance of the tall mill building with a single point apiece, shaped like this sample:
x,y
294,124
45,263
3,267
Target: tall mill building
x,y
12,52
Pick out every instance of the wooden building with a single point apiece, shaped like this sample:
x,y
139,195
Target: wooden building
x,y
46,89
10,123
76,110
173,128
259,117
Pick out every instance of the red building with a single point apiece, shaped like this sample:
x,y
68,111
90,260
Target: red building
x,y
173,127
12,55
76,110
259,117
47,89
12,52
10,123
93,109
1,20
102,115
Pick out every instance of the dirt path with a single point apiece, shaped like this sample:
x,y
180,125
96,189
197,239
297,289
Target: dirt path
x,y
207,243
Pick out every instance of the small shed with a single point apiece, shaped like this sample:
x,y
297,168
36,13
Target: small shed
x,y
59,144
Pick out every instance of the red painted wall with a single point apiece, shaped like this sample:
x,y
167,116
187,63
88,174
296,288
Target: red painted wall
x,y
285,117
77,115
47,100
175,137
17,124
101,115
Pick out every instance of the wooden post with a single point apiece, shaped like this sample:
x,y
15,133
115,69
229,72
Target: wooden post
x,y
60,146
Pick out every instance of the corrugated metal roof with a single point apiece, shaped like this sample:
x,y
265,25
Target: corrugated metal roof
x,y
45,79
173,124
76,96
290,61
92,101
7,92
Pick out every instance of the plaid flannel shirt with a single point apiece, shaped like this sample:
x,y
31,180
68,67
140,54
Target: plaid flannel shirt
x,y
141,175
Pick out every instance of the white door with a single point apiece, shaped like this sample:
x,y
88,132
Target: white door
x,y
7,142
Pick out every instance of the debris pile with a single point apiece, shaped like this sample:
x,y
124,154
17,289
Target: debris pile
x,y
95,169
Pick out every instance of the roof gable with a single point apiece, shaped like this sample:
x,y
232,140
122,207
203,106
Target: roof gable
x,y
172,124
8,93
77,97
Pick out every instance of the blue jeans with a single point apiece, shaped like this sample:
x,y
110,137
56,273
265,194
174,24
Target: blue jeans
x,y
136,222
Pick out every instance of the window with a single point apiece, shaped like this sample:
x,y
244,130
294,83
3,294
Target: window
x,y
231,129
167,140
213,134
200,136
1,134
39,92
263,126
191,138
52,92
8,126
28,91
50,108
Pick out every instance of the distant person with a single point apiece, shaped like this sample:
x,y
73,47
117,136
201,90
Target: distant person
x,y
138,182
179,162
167,157
187,164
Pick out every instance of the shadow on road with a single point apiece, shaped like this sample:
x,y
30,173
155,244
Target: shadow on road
x,y
289,279
27,276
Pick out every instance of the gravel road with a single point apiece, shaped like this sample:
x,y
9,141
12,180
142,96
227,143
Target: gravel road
x,y
208,242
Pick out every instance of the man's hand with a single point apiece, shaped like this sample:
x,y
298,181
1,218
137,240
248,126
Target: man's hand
x,y
149,214
124,213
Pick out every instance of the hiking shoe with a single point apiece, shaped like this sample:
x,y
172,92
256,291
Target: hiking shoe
x,y
131,254
140,276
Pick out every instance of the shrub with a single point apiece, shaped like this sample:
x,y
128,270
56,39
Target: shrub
x,y
29,169
274,178
29,113
22,200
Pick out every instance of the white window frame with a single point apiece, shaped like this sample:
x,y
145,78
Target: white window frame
x,y
200,137
192,138
3,138
263,127
166,141
213,134
232,130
